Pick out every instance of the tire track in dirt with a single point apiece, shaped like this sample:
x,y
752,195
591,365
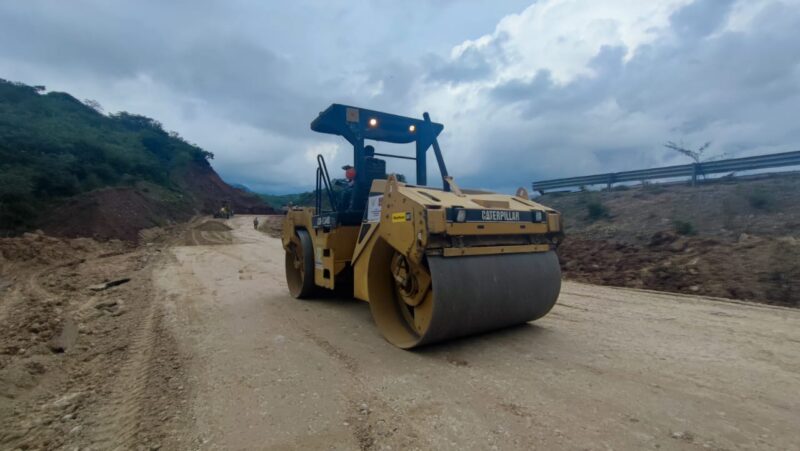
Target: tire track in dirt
x,y
9,302
372,420
219,238
34,287
145,394
121,414
208,238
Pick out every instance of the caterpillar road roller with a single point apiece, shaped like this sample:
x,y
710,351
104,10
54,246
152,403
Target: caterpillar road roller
x,y
433,263
225,211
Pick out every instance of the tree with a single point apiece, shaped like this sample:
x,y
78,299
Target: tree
x,y
93,104
695,155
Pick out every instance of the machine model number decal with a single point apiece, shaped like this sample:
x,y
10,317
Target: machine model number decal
x,y
403,216
323,221
499,215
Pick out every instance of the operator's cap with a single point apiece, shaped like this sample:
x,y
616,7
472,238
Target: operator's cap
x,y
346,167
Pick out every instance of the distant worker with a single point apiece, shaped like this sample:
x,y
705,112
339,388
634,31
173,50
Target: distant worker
x,y
255,223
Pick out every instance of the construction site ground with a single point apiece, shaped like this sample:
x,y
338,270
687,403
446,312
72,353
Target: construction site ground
x,y
190,340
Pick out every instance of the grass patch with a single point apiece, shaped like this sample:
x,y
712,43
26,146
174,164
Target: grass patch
x,y
760,199
684,228
653,188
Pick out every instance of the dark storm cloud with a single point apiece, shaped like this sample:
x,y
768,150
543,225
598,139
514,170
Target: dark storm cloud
x,y
470,66
246,79
701,18
542,95
740,89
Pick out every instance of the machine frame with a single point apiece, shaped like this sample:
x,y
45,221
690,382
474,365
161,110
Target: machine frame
x,y
388,242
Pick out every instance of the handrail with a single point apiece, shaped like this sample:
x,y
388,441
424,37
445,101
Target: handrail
x,y
323,177
317,197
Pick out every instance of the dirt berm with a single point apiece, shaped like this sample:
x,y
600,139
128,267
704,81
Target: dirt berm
x,y
122,212
734,238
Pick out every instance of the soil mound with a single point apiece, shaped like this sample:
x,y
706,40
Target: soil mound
x,y
735,239
123,212
42,249
755,268
272,225
114,213
212,226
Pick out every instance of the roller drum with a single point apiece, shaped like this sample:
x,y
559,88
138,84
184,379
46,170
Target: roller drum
x,y
475,294
481,293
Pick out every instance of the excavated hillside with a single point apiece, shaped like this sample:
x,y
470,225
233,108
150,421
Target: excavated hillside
x,y
122,212
733,238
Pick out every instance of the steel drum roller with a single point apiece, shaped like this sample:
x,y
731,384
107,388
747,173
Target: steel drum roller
x,y
475,294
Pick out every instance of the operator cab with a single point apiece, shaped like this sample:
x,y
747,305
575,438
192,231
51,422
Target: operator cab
x,y
357,125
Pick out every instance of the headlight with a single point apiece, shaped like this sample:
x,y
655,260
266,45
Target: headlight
x,y
461,215
412,128
373,122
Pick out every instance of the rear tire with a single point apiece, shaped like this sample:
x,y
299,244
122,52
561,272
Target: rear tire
x,y
300,267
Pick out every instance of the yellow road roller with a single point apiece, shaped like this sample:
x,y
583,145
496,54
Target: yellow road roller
x,y
433,263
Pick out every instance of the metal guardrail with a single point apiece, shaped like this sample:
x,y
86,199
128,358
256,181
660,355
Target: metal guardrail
x,y
693,170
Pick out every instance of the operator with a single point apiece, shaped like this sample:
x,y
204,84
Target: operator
x,y
350,182
255,223
350,175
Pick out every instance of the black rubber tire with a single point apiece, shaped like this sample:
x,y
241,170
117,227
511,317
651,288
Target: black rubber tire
x,y
302,286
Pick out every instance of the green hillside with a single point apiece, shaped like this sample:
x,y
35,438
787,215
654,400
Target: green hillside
x,y
53,147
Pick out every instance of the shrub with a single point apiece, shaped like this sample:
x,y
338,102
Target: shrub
x,y
760,199
596,210
653,188
684,228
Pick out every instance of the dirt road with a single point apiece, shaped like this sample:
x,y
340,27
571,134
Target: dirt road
x,y
608,368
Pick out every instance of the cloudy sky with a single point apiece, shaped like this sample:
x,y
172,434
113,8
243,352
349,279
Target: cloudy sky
x,y
527,90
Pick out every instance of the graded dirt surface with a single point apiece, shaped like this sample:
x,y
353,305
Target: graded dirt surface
x,y
608,368
213,354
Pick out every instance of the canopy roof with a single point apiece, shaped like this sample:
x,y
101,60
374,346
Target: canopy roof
x,y
355,123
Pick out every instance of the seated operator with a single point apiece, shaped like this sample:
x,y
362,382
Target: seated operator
x,y
350,177
347,191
